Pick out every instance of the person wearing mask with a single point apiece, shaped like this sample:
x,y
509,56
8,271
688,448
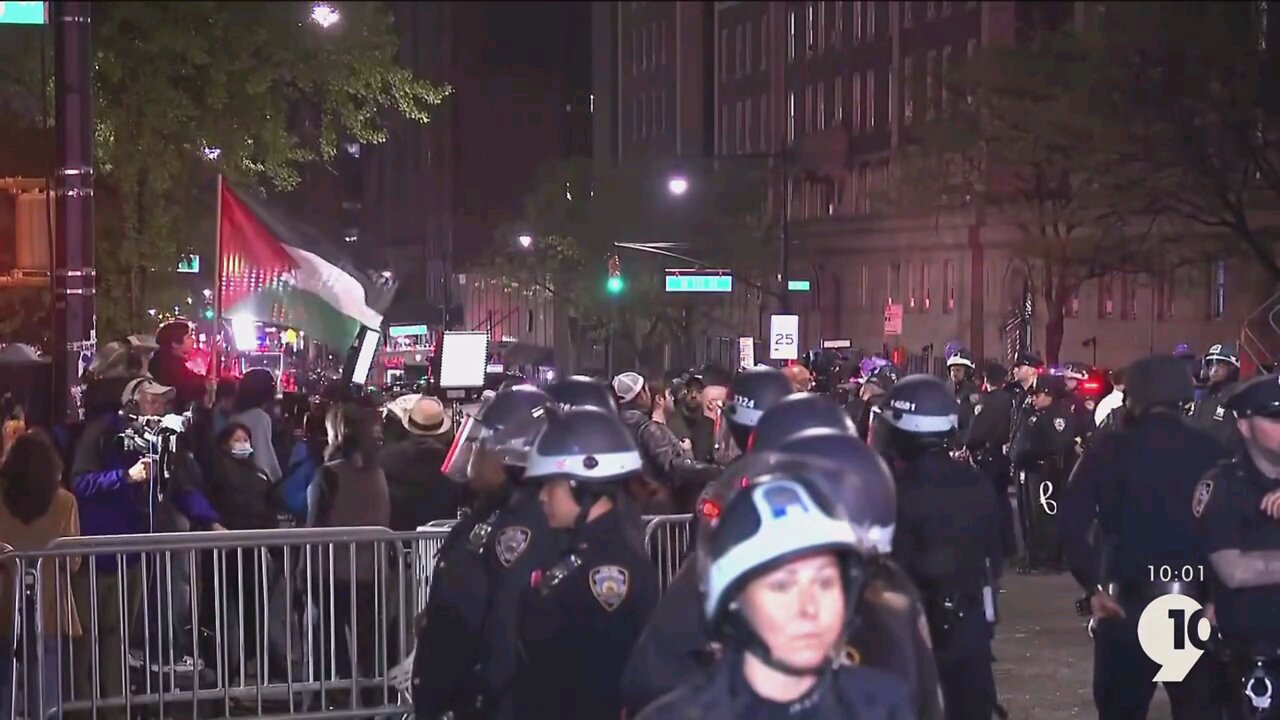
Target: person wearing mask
x,y
351,491
239,490
1132,484
119,493
420,493
947,538
689,421
1222,367
467,643
672,477
1043,452
35,511
175,344
1112,402
579,618
254,397
783,570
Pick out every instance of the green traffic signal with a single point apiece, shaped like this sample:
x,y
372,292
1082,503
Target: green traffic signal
x,y
208,313
615,284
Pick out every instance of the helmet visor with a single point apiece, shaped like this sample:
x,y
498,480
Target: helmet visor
x,y
465,444
511,442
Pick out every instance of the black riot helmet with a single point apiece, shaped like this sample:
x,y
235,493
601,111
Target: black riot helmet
x,y
921,414
870,505
752,393
796,413
505,426
582,391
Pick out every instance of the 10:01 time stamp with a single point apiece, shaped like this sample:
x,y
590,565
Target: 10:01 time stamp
x,y
1176,573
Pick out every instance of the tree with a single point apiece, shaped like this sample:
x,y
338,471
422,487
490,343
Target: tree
x,y
251,90
576,216
1027,144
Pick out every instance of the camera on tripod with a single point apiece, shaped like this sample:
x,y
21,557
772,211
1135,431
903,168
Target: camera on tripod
x,y
152,434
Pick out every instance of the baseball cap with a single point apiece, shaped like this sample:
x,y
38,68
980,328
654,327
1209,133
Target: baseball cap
x,y
627,385
141,385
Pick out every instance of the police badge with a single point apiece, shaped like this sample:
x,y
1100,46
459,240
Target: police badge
x,y
1203,490
511,544
1059,424
609,585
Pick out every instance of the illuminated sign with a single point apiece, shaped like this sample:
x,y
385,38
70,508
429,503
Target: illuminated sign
x,y
23,13
396,331
685,282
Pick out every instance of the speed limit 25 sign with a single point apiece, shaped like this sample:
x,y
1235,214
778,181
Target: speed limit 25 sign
x,y
784,337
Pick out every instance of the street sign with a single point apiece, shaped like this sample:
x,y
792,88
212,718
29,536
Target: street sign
x,y
188,263
892,319
699,283
784,337
797,286
23,13
746,352
836,344
396,331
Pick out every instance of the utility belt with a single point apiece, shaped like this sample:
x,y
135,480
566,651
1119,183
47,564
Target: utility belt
x,y
946,612
1141,592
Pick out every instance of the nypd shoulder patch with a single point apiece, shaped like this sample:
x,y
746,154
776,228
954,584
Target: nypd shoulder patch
x,y
1059,424
1203,490
609,585
511,544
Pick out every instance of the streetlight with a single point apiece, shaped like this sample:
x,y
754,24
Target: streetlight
x,y
525,240
324,14
677,185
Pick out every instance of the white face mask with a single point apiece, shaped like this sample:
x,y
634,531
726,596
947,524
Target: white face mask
x,y
241,450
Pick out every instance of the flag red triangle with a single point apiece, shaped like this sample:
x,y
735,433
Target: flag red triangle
x,y
250,258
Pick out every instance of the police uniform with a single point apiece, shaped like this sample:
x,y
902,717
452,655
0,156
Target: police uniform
x,y
986,440
1209,410
579,617
1133,484
1228,502
1042,452
947,539
465,654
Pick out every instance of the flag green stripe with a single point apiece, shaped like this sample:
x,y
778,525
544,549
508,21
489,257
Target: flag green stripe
x,y
302,309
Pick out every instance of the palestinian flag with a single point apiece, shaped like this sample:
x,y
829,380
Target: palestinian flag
x,y
277,270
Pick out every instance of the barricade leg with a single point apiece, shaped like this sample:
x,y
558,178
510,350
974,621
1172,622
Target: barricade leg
x,y
102,650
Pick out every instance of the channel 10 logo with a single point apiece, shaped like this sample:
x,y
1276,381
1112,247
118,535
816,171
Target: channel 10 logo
x,y
1174,632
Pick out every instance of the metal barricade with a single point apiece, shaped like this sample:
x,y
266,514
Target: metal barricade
x,y
666,538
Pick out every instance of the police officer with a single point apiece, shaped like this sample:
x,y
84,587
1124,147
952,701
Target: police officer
x,y
794,414
1222,369
782,563
465,654
961,369
986,441
947,539
1074,373
1132,483
580,616
752,392
870,397
1042,451
1243,543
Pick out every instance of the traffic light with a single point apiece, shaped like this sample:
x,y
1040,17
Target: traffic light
x,y
615,283
208,313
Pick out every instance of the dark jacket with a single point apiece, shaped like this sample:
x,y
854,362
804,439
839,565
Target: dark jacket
x,y
698,429
847,692
673,647
1136,484
1209,415
666,461
992,422
169,369
241,493
969,397
419,491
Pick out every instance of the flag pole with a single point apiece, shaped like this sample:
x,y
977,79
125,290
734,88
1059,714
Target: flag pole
x,y
215,358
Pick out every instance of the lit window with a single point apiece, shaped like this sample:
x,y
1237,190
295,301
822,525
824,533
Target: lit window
x,y
857,22
822,24
949,286
907,20
809,27
871,100
791,116
913,287
926,296
871,19
908,80
855,110
822,107
1218,290
1073,304
837,101
791,36
837,24
946,71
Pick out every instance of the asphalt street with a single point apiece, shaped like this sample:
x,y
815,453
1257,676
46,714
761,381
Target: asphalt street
x,y
1044,657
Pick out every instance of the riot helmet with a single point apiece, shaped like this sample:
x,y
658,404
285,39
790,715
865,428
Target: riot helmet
x,y
960,364
1222,364
920,413
871,505
752,393
782,518
582,391
502,430
794,414
589,448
